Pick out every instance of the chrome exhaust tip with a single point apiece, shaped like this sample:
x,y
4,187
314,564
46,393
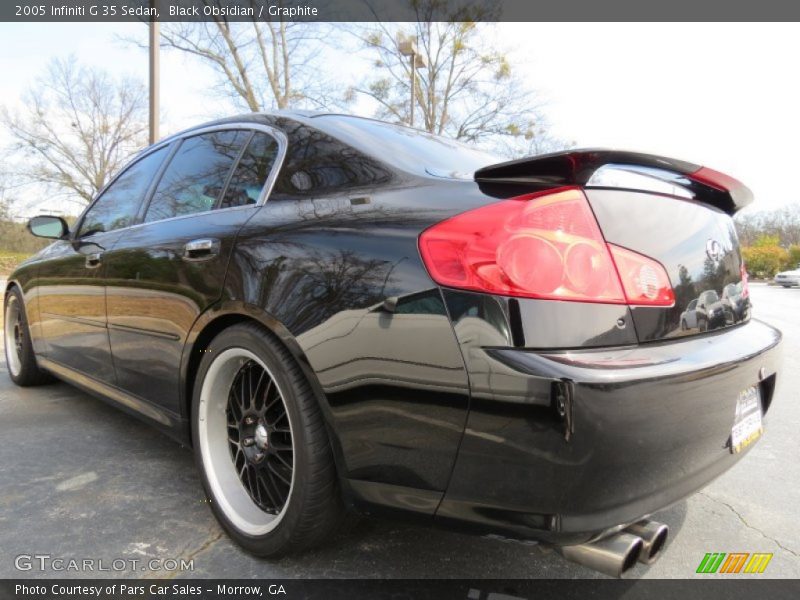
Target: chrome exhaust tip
x,y
654,535
613,556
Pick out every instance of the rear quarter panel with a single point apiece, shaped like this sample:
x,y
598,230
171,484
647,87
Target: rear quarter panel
x,y
394,384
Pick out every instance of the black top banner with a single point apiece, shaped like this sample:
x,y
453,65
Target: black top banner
x,y
397,10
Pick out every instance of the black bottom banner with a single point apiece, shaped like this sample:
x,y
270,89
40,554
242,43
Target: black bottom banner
x,y
400,589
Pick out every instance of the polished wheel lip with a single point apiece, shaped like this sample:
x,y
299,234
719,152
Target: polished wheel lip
x,y
13,335
227,490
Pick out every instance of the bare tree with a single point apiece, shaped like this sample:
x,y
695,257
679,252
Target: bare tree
x,y
260,65
78,128
468,89
783,223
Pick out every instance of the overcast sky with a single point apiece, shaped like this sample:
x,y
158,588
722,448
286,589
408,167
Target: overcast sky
x,y
722,95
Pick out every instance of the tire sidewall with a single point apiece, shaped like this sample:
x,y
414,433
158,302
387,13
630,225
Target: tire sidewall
x,y
27,360
279,538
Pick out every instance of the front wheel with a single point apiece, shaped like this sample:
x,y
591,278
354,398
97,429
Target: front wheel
x,y
20,359
261,445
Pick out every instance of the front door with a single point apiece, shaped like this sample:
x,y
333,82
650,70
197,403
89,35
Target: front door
x,y
163,273
71,284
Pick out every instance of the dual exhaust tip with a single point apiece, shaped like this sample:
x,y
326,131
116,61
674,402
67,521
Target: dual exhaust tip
x,y
616,554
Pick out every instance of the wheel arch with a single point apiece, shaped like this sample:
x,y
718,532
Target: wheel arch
x,y
11,284
220,317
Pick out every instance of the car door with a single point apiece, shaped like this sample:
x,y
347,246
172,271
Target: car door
x,y
71,289
164,272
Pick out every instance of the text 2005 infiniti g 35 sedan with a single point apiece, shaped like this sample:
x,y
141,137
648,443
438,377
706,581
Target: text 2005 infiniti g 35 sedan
x,y
341,313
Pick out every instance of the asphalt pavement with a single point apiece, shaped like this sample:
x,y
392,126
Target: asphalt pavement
x,y
81,480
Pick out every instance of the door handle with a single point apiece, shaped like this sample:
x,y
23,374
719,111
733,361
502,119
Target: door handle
x,y
203,249
93,260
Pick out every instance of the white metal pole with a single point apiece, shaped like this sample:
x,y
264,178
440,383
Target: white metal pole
x,y
154,79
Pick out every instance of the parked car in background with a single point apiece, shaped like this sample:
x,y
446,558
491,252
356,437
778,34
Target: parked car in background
x,y
735,302
689,316
710,311
338,313
788,278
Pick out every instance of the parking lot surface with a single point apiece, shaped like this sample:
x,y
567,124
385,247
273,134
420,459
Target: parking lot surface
x,y
81,480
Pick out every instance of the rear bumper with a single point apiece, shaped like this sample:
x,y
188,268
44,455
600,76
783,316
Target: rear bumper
x,y
648,425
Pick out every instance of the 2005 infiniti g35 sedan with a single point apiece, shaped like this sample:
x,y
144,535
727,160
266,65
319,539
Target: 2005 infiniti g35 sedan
x,y
341,313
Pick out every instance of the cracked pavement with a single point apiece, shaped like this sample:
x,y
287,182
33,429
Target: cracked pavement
x,y
80,479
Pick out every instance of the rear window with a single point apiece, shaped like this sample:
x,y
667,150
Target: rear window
x,y
407,149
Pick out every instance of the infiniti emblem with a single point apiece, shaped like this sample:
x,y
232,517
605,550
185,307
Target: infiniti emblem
x,y
714,250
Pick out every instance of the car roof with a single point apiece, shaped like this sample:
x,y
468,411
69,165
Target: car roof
x,y
268,117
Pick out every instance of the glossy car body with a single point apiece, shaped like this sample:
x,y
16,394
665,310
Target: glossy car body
x,y
554,420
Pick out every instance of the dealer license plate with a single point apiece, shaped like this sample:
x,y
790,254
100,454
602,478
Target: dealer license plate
x,y
747,426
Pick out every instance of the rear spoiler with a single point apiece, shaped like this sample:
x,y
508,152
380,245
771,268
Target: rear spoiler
x,y
578,167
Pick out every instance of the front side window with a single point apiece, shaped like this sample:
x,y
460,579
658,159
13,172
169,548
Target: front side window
x,y
118,205
196,175
251,172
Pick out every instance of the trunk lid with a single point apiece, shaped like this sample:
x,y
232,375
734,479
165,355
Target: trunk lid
x,y
674,212
698,247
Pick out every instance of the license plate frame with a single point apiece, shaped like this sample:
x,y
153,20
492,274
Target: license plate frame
x,y
748,423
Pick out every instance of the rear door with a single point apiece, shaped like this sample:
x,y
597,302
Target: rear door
x,y
71,287
164,272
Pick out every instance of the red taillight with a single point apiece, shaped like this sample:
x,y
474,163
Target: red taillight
x,y
745,283
546,246
644,280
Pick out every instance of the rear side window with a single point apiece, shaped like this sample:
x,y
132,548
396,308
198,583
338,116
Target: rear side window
x,y
251,172
317,164
196,176
119,204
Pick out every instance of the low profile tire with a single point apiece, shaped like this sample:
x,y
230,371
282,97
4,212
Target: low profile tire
x,y
20,359
261,445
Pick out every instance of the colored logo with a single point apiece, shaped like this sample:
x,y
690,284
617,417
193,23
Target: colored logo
x,y
734,562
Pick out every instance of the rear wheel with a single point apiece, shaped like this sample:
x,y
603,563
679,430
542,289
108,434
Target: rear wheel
x,y
261,445
20,359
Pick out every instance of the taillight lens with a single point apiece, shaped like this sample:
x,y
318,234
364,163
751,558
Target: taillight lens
x,y
546,246
745,283
644,280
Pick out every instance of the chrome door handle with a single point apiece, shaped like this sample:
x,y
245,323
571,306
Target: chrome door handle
x,y
93,260
202,249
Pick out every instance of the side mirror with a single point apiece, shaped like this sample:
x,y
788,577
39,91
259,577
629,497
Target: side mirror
x,y
47,226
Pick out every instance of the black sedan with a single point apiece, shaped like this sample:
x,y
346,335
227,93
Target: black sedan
x,y
338,313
